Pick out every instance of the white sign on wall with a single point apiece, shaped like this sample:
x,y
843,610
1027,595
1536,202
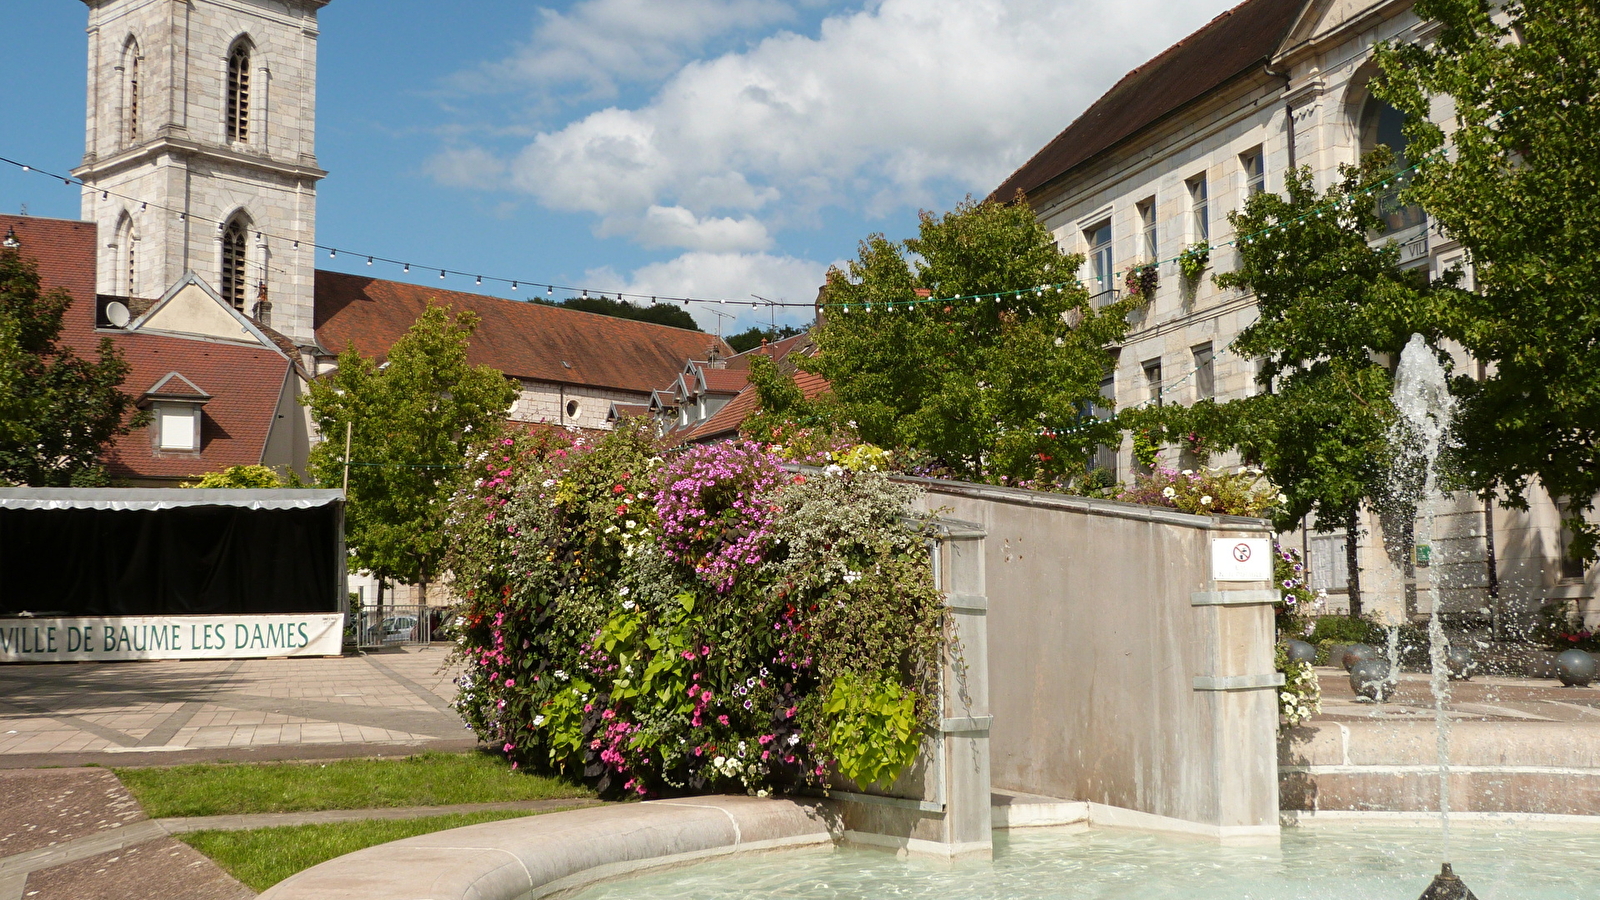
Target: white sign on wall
x,y
1241,559
170,637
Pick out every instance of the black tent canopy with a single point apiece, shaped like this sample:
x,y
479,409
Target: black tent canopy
x,y
170,551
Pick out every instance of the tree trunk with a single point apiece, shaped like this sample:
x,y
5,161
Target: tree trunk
x,y
1352,563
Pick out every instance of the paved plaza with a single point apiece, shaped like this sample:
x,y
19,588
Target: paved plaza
x,y
1482,699
169,712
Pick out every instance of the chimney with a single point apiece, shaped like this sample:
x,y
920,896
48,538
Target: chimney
x,y
263,305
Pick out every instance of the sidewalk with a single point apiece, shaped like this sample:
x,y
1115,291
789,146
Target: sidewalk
x,y
166,713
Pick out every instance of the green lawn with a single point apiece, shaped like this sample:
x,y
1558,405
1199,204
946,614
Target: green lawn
x,y
429,779
265,856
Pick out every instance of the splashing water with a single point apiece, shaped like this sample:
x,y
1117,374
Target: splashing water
x,y
1422,397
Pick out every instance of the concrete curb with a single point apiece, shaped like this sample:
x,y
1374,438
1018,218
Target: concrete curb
x,y
561,852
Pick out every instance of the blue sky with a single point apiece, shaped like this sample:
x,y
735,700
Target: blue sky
x,y
711,148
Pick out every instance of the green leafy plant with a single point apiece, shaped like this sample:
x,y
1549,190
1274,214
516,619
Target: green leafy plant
x,y
259,477
1244,491
873,729
1192,262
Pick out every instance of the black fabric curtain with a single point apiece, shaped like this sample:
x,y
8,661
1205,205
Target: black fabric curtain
x,y
193,560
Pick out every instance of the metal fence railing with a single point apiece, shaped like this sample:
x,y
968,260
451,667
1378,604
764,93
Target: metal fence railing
x,y
402,624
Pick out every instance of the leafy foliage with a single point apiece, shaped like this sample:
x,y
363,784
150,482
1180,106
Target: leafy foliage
x,y
239,477
1300,698
657,626
657,313
58,411
751,337
1518,190
993,390
1194,259
1206,492
415,420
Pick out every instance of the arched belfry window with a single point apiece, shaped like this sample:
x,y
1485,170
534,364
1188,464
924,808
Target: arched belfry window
x,y
238,101
233,261
130,90
126,245
1383,124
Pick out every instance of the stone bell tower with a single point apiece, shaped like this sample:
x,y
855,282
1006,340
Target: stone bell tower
x,y
200,154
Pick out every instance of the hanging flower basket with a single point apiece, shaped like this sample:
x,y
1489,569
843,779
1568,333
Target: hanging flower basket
x,y
1141,281
1193,261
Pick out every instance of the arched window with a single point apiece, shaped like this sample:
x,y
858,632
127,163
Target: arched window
x,y
233,261
130,90
126,266
1383,124
239,92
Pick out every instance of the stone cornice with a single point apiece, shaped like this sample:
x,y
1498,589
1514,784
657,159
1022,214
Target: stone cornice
x,y
175,146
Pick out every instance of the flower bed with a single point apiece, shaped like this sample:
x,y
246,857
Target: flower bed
x,y
704,621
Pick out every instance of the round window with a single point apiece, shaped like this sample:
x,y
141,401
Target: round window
x,y
573,409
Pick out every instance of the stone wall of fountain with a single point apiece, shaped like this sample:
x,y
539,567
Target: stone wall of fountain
x,y
1120,672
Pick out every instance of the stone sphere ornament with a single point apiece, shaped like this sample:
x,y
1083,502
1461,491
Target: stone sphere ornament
x,y
1369,678
1460,664
1575,668
1356,653
1300,651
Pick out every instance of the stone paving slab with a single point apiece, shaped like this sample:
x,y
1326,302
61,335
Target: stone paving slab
x,y
172,712
161,869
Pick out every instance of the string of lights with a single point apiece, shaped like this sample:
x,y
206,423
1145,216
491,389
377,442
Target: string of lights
x,y
550,288
532,285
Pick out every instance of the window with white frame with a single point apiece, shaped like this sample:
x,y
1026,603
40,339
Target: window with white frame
x,y
1100,256
1199,210
1253,162
1147,228
1152,381
178,426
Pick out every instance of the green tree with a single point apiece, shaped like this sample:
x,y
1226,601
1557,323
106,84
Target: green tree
x,y
1335,311
1520,189
997,388
259,477
658,313
58,411
751,337
413,423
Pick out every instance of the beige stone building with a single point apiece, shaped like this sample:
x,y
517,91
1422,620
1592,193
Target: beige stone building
x,y
1154,166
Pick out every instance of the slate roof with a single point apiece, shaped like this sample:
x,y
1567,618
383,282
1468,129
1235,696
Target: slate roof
x,y
1235,42
524,340
244,382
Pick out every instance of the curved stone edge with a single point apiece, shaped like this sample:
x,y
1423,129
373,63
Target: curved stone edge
x,y
557,853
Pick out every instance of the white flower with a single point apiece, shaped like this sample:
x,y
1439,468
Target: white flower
x,y
1206,500
623,591
1188,471
631,524
720,761
1243,470
537,721
833,470
628,604
851,578
549,482
1169,492
1282,497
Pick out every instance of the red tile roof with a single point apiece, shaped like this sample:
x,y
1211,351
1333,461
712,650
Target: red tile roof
x,y
1236,41
525,340
244,381
725,422
724,381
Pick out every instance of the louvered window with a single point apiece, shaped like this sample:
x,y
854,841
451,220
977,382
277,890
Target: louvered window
x,y
233,274
239,94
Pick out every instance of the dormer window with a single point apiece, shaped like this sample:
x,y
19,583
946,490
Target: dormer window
x,y
176,403
239,93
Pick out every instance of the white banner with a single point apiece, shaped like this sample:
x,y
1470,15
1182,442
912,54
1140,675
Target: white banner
x,y
170,637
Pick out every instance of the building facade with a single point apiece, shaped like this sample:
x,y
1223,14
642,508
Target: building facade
x,y
1152,169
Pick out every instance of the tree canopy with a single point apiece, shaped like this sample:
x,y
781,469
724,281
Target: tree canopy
x,y
415,422
1516,181
994,389
58,411
751,337
659,313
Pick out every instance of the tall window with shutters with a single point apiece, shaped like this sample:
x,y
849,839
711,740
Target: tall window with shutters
x,y
238,103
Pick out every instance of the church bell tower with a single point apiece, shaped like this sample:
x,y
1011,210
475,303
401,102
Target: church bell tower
x,y
200,154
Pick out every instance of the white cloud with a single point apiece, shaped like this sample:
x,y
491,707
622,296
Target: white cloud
x,y
897,105
595,45
729,276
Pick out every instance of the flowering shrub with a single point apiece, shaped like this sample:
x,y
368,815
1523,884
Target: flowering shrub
x,y
1240,492
701,622
1300,698
1298,605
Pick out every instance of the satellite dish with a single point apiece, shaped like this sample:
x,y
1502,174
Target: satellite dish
x,y
117,314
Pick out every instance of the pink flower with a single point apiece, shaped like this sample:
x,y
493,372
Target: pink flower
x,y
508,748
511,682
722,720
